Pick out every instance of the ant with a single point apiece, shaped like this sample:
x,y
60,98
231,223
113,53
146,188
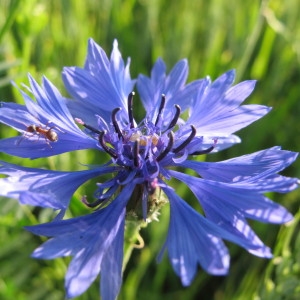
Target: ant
x,y
48,133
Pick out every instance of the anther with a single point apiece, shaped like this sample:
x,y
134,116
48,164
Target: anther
x,y
136,150
161,107
79,121
105,147
168,148
187,141
130,109
176,117
115,122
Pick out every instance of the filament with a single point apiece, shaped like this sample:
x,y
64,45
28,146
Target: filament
x,y
187,141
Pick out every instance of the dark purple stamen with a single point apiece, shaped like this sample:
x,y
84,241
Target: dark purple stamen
x,y
168,148
176,117
115,122
187,141
93,204
161,107
91,128
136,149
206,151
130,109
105,147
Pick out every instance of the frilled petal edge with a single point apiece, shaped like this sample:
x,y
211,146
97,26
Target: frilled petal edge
x,y
44,188
263,163
90,239
192,240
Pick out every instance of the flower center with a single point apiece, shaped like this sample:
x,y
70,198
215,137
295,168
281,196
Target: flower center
x,y
141,148
142,151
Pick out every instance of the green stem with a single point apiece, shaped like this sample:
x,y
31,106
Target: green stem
x,y
133,239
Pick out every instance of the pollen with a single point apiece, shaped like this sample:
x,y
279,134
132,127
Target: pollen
x,y
135,136
154,139
144,139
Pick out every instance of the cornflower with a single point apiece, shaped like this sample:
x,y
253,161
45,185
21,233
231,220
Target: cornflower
x,y
182,121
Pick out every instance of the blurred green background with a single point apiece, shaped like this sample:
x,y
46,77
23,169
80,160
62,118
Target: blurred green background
x,y
260,39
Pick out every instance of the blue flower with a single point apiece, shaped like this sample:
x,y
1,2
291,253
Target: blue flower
x,y
143,157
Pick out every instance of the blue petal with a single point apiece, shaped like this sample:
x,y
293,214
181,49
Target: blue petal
x,y
216,109
49,113
111,268
275,183
150,89
191,241
219,143
52,102
220,97
240,168
230,225
184,96
199,144
9,111
229,122
210,95
158,72
234,223
86,111
35,147
83,86
102,84
96,58
177,77
242,199
90,239
120,72
44,188
171,85
83,270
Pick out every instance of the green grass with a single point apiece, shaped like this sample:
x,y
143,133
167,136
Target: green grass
x,y
260,39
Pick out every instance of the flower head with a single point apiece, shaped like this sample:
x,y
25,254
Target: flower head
x,y
143,156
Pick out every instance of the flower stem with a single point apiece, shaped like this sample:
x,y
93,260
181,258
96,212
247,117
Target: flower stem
x,y
133,239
